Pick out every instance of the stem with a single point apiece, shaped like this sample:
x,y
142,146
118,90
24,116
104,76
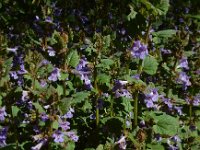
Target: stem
x,y
190,112
140,66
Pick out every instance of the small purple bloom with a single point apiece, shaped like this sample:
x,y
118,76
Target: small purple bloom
x,y
122,142
196,100
183,63
179,110
58,136
51,51
43,83
3,135
184,79
165,51
139,50
14,50
72,136
65,125
44,116
123,93
55,74
3,113
14,75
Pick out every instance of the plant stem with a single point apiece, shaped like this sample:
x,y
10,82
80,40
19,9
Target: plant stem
x,y
140,66
190,112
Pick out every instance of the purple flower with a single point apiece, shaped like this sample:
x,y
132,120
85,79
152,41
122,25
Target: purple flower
x,y
3,113
44,116
14,75
3,135
183,63
196,100
84,72
123,93
151,97
65,125
69,114
14,50
119,84
139,50
51,51
167,101
43,83
184,79
165,51
72,136
179,110
58,136
55,74
122,142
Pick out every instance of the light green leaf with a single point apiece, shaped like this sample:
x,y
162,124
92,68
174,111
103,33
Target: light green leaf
x,y
80,96
15,111
150,65
166,125
100,147
55,124
39,107
132,14
165,33
73,58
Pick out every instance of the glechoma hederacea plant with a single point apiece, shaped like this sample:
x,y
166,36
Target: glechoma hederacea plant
x,y
99,75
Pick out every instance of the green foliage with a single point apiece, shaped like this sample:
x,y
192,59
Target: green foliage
x,y
150,65
166,125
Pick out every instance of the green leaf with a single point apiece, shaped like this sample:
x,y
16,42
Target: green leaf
x,y
63,76
39,107
132,14
55,124
105,63
155,147
103,79
15,111
73,58
150,65
126,102
163,7
100,147
80,96
64,105
165,33
166,125
59,90
70,146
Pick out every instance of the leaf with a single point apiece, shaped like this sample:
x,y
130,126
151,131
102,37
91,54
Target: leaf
x,y
155,147
165,33
55,124
163,7
103,79
132,14
106,41
100,147
80,96
39,107
150,65
105,63
15,111
166,125
59,90
73,58
126,102
64,105
70,146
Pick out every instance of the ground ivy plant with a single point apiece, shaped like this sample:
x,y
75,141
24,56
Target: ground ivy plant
x,y
99,75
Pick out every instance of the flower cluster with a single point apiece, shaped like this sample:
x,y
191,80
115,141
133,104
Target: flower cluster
x,y
139,50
